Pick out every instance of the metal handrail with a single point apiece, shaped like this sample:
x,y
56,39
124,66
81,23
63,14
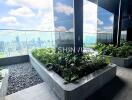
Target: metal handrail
x,y
34,30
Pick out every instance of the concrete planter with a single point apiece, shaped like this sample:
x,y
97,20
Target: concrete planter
x,y
74,91
122,62
14,60
4,84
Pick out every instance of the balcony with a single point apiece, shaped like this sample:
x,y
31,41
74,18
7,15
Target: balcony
x,y
24,79
85,52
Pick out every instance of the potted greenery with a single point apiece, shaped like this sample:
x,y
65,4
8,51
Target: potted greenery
x,y
70,75
121,56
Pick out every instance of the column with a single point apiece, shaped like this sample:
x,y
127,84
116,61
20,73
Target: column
x,y
129,34
119,23
78,25
115,28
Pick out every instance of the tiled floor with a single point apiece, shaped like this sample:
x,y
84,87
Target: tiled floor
x,y
37,92
120,88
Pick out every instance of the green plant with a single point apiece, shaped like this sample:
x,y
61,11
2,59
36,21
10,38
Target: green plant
x,y
69,65
0,75
124,50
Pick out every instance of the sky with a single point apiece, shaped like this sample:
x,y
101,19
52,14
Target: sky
x,y
64,13
50,15
26,14
96,19
105,21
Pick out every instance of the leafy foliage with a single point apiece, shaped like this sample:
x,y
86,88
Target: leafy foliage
x,y
69,65
124,50
0,75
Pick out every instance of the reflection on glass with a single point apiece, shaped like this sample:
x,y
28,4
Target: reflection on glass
x,y
15,43
89,23
123,35
64,39
105,25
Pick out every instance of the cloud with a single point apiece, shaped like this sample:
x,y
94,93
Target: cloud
x,y
63,29
90,17
23,11
89,28
100,22
111,18
60,29
35,4
40,13
9,20
41,20
105,29
108,27
11,2
46,22
62,8
71,30
55,18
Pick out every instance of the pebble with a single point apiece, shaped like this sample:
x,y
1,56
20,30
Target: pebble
x,y
22,76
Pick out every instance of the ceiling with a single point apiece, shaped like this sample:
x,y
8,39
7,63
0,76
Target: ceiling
x,y
110,5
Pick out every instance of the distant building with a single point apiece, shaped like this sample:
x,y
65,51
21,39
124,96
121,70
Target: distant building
x,y
39,42
2,46
18,44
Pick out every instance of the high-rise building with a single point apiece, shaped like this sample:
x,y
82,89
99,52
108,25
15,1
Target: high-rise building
x,y
2,46
18,44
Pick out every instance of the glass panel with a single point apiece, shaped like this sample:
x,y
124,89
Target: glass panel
x,y
63,22
64,39
123,35
89,23
105,24
40,39
12,43
16,43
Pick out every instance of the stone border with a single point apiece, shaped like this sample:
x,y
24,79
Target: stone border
x,y
122,62
14,60
4,84
74,91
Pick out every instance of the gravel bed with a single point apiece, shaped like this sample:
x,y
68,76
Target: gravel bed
x,y
22,76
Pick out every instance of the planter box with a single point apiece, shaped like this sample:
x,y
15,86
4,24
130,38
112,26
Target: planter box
x,y
74,91
122,62
4,84
14,60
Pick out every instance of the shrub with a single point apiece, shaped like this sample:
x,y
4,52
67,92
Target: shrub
x,y
0,75
124,50
69,65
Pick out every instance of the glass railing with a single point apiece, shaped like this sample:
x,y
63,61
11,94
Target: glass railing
x,y
89,39
108,37
21,42
105,37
